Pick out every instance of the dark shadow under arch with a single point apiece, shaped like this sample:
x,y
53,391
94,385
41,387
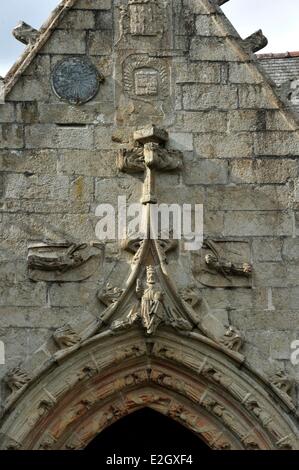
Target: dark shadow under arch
x,y
146,431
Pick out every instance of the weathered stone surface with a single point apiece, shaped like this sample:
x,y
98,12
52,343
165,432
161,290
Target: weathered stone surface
x,y
272,170
200,97
232,145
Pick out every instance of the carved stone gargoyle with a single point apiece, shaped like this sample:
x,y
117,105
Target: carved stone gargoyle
x,y
221,264
63,262
24,33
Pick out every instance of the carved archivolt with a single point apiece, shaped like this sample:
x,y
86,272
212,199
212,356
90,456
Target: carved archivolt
x,y
73,400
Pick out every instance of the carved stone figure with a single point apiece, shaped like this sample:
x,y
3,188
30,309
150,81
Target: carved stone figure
x,y
110,295
151,312
232,339
63,261
66,337
226,267
191,296
16,380
24,33
220,264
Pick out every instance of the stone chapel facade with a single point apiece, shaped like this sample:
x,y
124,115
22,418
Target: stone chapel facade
x,y
158,101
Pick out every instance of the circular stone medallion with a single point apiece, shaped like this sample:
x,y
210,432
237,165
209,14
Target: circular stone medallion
x,y
76,80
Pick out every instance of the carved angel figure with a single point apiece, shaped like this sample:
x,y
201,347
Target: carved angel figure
x,y
71,259
224,266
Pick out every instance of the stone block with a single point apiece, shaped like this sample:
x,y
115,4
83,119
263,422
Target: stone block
x,y
231,145
257,97
202,121
246,120
91,163
108,190
7,112
276,143
208,25
257,223
59,137
202,97
267,249
203,72
78,20
181,141
290,249
100,42
244,73
94,4
11,136
206,172
263,171
66,42
23,294
29,161
248,197
19,186
72,294
212,49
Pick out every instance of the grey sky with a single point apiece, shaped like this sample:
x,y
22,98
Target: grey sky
x,y
277,18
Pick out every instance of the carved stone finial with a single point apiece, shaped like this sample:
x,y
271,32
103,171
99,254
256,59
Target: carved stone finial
x,y
24,33
255,42
66,337
232,339
16,380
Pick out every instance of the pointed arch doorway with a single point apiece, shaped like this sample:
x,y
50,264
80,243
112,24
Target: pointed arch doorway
x,y
147,431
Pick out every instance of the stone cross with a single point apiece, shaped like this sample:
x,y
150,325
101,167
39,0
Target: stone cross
x,y
149,154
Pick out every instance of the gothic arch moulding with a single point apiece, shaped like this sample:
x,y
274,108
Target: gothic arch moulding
x,y
109,376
